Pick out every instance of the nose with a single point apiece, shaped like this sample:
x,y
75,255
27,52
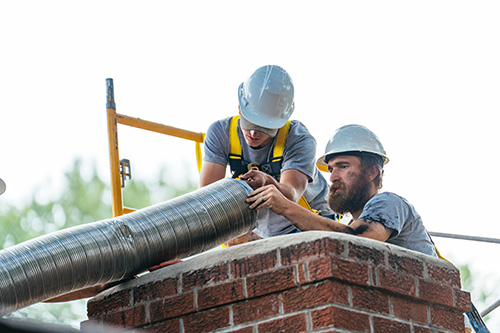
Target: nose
x,y
253,133
334,175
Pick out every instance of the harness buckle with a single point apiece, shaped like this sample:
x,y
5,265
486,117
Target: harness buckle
x,y
253,166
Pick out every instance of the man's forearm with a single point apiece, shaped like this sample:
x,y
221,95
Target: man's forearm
x,y
287,190
305,220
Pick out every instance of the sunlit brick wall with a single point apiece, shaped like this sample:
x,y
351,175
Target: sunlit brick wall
x,y
313,281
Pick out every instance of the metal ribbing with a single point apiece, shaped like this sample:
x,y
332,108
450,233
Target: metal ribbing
x,y
113,249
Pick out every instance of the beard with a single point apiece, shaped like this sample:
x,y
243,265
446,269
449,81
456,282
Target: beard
x,y
351,198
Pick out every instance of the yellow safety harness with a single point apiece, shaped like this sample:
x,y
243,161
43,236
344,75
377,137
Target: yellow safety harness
x,y
239,166
273,167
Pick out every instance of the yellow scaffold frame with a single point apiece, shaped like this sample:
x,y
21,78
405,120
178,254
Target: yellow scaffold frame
x,y
114,119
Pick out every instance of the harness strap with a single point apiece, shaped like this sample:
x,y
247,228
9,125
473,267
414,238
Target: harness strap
x,y
439,254
235,151
279,146
234,141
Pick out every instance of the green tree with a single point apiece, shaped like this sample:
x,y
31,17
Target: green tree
x,y
83,200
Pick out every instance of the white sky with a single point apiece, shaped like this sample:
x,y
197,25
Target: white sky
x,y
423,75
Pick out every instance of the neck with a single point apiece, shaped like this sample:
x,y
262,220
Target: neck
x,y
267,141
356,214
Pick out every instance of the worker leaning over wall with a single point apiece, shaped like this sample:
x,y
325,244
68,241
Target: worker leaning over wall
x,y
355,158
263,147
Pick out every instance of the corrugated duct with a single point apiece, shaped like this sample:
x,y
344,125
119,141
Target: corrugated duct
x,y
113,249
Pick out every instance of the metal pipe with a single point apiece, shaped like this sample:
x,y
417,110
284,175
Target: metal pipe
x,y
490,308
113,249
466,237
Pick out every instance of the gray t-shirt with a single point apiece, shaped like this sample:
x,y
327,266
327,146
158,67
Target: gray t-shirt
x,y
398,214
299,154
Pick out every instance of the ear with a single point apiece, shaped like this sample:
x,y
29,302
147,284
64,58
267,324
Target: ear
x,y
239,110
373,172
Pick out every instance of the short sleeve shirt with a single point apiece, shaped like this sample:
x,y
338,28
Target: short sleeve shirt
x,y
299,153
398,214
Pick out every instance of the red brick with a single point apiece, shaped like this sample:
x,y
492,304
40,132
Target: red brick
x,y
272,281
201,277
155,290
310,296
319,269
366,254
296,323
351,272
421,329
221,294
370,300
109,303
388,326
171,326
462,300
406,265
322,285
128,318
333,267
449,320
397,283
255,309
171,307
408,310
207,321
252,265
435,293
305,250
445,275
333,317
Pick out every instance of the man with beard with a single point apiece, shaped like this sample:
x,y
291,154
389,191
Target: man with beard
x,y
355,159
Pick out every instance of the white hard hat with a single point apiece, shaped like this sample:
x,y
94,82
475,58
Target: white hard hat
x,y
266,98
353,138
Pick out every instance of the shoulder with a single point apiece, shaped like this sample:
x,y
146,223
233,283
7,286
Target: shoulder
x,y
298,128
298,133
217,137
220,125
388,197
218,130
389,205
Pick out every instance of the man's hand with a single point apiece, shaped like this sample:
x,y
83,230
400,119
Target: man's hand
x,y
269,197
249,237
255,178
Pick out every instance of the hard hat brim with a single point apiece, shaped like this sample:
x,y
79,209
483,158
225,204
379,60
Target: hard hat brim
x,y
323,159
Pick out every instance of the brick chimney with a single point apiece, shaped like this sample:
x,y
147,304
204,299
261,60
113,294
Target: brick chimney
x,y
307,282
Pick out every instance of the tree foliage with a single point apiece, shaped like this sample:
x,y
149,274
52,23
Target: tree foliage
x,y
82,200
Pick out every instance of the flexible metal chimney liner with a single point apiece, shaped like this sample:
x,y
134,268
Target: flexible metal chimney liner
x,y
116,248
